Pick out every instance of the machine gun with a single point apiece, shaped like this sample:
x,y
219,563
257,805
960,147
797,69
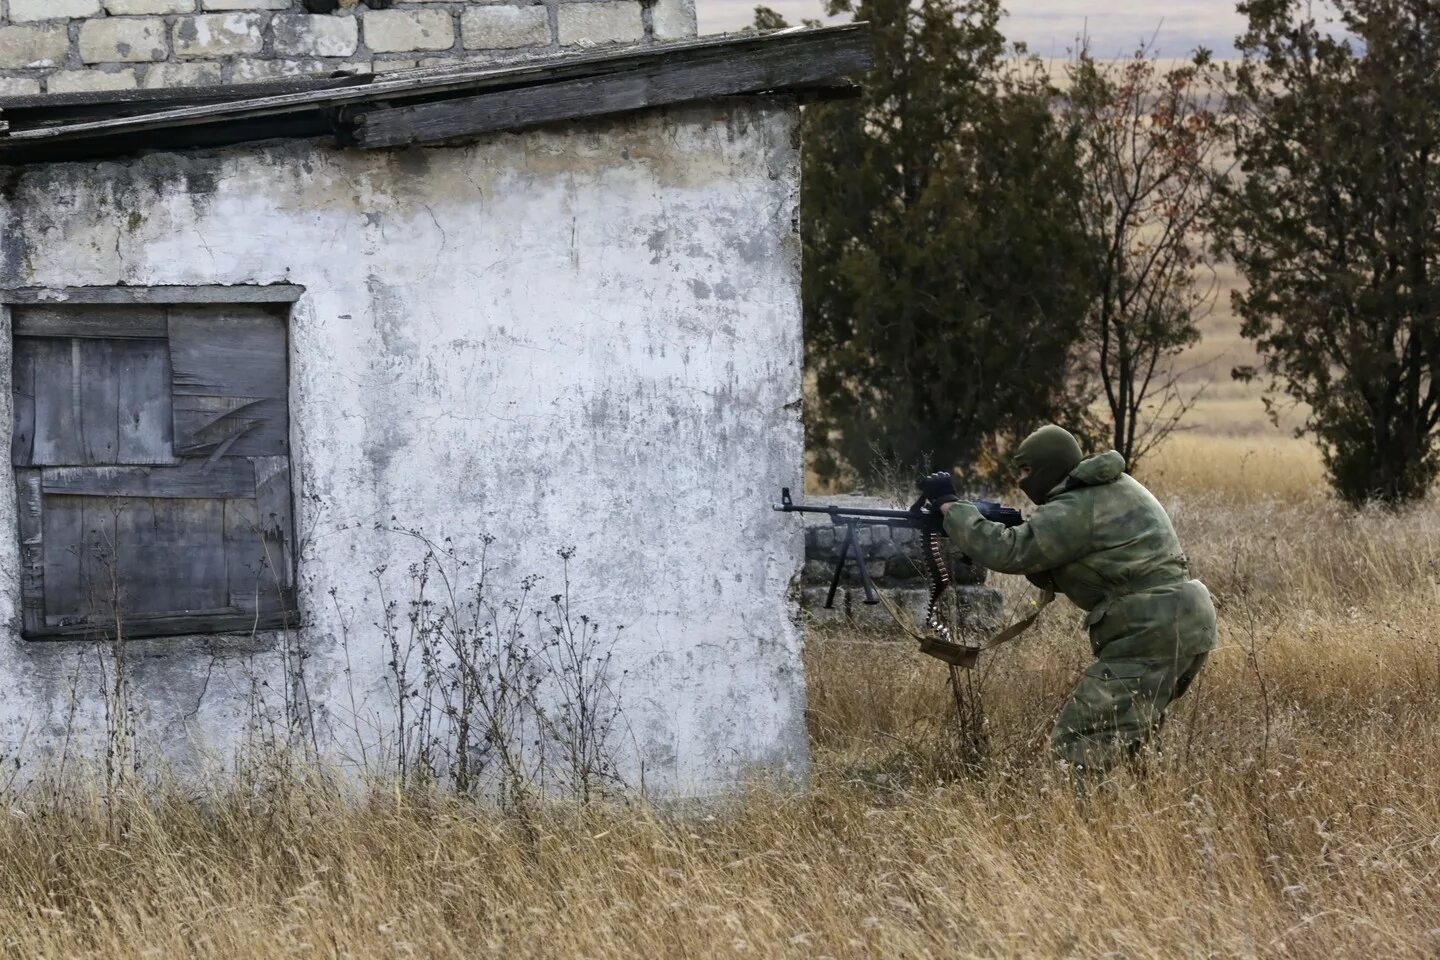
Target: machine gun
x,y
932,528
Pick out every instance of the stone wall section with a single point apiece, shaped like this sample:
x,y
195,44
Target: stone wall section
x,y
68,46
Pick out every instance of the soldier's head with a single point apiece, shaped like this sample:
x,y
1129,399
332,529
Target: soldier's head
x,y
1045,458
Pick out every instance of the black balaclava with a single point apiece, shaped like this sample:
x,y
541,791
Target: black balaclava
x,y
1051,453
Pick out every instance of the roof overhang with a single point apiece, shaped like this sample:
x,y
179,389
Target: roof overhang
x,y
422,106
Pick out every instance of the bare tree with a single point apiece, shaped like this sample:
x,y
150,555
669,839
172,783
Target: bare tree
x,y
1149,145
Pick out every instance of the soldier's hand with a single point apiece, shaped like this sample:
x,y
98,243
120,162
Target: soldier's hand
x,y
939,489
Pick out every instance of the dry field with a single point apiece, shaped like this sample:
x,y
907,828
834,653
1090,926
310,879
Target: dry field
x,y
1293,812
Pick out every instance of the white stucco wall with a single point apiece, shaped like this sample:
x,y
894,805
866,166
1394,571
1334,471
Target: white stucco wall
x,y
587,336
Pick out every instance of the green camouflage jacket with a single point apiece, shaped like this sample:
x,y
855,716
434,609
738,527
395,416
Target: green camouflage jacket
x,y
1106,543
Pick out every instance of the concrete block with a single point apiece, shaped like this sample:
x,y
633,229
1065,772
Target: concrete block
x,y
130,8
905,569
18,86
503,27
978,610
817,571
26,10
673,19
124,39
251,70
199,74
211,35
85,81
33,46
388,66
610,21
299,35
401,31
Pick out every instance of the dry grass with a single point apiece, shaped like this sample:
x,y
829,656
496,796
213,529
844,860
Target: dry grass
x,y
1295,812
1240,467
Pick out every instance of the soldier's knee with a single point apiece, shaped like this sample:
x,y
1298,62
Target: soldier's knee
x,y
1070,749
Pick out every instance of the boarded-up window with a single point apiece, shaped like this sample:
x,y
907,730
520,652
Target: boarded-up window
x,y
151,453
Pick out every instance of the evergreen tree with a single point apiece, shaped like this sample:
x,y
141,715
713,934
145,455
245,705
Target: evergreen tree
x,y
1334,224
945,284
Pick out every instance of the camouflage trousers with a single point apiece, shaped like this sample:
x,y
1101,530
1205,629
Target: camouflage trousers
x,y
1115,709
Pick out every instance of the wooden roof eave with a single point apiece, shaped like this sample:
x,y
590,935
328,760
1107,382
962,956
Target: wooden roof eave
x,y
428,105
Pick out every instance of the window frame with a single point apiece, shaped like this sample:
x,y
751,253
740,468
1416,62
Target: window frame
x,y
28,484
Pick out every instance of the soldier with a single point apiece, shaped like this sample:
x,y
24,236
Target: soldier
x,y
1099,537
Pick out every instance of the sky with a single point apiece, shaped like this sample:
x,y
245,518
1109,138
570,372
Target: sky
x,y
1050,27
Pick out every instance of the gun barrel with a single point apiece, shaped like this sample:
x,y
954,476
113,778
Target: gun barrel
x,y
913,517
836,511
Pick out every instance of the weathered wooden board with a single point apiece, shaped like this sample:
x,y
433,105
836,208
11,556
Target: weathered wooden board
x,y
219,621
57,403
101,589
225,478
96,401
145,415
32,548
99,389
234,426
244,555
655,83
274,505
171,556
255,563
235,351
539,72
22,435
242,293
85,320
63,542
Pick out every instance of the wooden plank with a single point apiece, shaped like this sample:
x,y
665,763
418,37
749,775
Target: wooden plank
x,y
648,85
133,321
22,434
244,556
225,478
256,562
57,403
63,544
473,78
113,103
241,426
32,548
99,405
223,621
170,555
145,414
277,293
275,508
101,590
230,351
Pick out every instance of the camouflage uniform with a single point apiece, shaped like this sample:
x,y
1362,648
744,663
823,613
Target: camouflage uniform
x,y
1104,541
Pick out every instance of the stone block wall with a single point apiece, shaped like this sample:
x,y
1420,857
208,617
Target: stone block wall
x,y
893,558
66,46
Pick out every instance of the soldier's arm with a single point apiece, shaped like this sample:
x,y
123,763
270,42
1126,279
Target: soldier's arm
x,y
1058,533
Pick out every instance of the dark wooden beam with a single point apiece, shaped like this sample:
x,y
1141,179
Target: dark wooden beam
x,y
240,293
235,622
809,62
431,84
